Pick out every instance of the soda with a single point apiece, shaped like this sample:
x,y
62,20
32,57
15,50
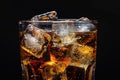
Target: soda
x,y
63,49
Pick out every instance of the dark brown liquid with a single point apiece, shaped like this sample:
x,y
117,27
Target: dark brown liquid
x,y
81,51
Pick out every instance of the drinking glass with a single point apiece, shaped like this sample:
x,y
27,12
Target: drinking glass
x,y
58,50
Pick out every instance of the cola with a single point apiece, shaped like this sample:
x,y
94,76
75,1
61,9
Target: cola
x,y
61,49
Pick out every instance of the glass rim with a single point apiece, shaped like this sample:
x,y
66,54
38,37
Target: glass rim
x,y
57,21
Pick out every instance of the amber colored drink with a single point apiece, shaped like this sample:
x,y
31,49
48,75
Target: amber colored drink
x,y
58,50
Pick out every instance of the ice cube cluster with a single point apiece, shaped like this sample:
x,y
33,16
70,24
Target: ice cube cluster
x,y
36,37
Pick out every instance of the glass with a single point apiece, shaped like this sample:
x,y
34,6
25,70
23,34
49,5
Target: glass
x,y
58,50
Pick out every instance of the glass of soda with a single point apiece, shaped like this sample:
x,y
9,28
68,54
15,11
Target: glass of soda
x,y
64,49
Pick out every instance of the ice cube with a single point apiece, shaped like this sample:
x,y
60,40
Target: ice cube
x,y
32,43
52,15
84,19
65,33
68,39
62,30
81,55
34,38
84,26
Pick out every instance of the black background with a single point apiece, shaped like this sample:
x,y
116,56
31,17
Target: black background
x,y
104,11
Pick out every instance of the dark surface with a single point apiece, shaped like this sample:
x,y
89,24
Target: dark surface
x,y
104,11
